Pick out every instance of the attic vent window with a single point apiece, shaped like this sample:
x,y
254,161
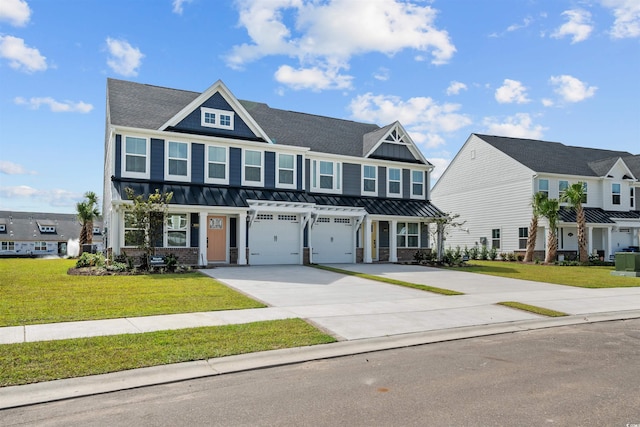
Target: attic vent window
x,y
47,228
219,119
3,228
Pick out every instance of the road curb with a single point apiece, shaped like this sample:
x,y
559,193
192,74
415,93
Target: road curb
x,y
31,394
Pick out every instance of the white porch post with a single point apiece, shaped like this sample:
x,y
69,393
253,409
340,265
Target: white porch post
x,y
202,238
609,244
117,222
590,240
393,241
367,240
242,238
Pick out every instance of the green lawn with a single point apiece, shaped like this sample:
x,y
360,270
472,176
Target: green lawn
x,y
584,277
49,360
36,291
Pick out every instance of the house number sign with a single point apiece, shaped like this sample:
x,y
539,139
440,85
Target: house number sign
x,y
215,223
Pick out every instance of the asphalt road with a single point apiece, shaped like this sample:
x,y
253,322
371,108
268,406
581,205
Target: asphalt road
x,y
584,375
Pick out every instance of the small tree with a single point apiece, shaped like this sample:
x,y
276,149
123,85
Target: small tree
x,y
536,204
549,210
574,195
443,226
87,213
147,217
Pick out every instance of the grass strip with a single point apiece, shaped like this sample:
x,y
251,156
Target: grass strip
x,y
390,281
32,362
34,291
533,309
579,276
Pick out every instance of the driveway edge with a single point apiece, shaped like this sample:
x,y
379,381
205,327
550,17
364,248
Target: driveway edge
x,y
31,394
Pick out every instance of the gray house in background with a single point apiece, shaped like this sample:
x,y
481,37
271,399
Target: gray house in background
x,y
39,233
491,181
257,185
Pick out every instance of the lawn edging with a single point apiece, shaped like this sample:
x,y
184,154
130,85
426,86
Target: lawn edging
x,y
532,309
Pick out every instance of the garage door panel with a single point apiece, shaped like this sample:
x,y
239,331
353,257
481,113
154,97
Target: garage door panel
x,y
275,239
333,240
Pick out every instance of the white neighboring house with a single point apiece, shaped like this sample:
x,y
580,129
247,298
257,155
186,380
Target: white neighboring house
x,y
491,181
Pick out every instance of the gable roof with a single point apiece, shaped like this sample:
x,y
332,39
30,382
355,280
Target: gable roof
x,y
24,226
144,106
554,157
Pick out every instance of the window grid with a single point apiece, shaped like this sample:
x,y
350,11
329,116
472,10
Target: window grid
x,y
394,185
8,246
135,156
369,179
217,164
615,194
495,238
408,235
543,186
523,235
178,159
286,170
417,183
253,167
177,227
283,217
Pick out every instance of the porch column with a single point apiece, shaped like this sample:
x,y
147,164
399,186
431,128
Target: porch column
x,y
609,245
202,238
115,233
590,240
242,238
393,240
366,242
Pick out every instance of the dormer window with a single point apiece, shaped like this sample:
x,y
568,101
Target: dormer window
x,y
96,230
47,228
220,119
3,228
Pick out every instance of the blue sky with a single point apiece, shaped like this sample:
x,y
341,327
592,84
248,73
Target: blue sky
x,y
565,71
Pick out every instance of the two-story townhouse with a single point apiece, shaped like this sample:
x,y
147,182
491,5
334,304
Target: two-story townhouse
x,y
492,179
256,185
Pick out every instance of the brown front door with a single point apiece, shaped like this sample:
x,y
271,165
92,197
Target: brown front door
x,y
217,238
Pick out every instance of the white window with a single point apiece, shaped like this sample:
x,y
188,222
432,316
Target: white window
x,y
47,228
133,236
615,194
370,180
562,188
543,186
8,246
135,157
326,176
40,246
394,182
178,165
408,234
286,171
212,118
523,236
495,238
177,226
632,198
585,191
216,165
252,169
417,184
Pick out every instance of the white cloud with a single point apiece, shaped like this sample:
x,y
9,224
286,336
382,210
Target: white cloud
x,y
440,164
422,117
124,59
178,6
21,57
571,89
326,35
55,106
16,12
579,26
511,91
455,88
517,126
10,168
53,197
382,74
547,102
312,78
627,18
525,23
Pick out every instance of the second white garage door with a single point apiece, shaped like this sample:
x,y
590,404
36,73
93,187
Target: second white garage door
x,y
275,239
333,241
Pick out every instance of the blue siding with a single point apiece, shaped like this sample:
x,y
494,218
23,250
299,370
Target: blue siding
x,y
393,152
157,159
118,160
270,169
383,231
299,172
406,184
192,122
233,232
382,181
197,163
424,235
235,166
195,218
351,179
307,177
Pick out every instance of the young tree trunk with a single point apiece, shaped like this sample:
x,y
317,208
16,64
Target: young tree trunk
x,y
582,238
531,239
552,247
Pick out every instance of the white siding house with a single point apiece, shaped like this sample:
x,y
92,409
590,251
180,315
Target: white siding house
x,y
491,181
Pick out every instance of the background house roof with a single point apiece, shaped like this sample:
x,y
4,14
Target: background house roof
x,y
554,157
149,107
23,226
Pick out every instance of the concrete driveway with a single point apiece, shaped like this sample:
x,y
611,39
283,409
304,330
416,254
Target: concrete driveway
x,y
353,308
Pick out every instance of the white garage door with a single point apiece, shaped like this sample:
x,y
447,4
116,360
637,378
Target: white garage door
x,y
274,239
333,241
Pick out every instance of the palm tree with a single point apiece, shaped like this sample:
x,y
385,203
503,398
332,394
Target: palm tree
x,y
549,209
87,212
536,204
574,195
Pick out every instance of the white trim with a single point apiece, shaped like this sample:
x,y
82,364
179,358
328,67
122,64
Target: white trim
x,y
375,181
336,175
294,170
408,143
171,177
216,118
394,195
207,178
123,157
253,183
423,183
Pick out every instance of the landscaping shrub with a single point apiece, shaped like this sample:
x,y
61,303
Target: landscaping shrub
x,y
90,260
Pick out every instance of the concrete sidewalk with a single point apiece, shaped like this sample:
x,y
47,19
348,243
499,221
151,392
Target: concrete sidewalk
x,y
365,315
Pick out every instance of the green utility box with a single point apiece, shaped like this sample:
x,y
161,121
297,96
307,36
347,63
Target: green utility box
x,y
627,264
